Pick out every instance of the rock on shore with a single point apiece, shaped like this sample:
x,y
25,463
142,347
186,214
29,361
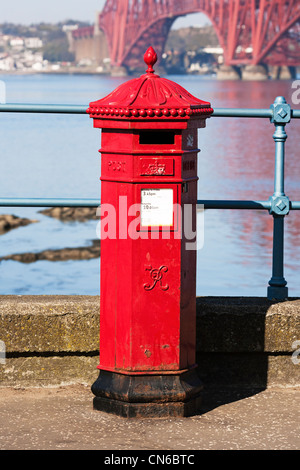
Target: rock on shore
x,y
66,214
64,254
9,222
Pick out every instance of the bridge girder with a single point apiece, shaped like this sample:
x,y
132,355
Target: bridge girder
x,y
249,31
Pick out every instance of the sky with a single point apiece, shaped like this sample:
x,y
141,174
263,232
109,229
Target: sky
x,y
52,11
36,11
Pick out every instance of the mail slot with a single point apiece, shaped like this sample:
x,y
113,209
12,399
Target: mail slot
x,y
157,138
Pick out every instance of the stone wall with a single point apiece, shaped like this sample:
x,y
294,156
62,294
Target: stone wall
x,y
54,340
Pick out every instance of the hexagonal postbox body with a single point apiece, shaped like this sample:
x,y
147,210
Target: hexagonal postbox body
x,y
148,256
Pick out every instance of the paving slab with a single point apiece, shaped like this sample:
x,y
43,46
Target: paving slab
x,y
62,418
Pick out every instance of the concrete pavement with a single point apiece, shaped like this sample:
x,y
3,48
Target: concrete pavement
x,y
62,418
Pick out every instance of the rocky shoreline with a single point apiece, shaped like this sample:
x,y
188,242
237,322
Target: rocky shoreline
x,y
64,254
9,222
69,214
65,214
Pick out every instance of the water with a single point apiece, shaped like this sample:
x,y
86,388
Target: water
x,y
56,156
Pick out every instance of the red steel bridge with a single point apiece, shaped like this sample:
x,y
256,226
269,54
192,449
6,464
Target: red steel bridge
x,y
249,31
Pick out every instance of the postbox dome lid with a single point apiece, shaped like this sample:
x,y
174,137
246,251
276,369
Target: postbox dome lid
x,y
150,96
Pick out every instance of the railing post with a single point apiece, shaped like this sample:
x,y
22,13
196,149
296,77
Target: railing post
x,y
280,204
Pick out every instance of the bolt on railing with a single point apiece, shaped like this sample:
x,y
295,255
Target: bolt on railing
x,y
278,205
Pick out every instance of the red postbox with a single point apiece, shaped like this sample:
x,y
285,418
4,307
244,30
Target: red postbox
x,y
148,273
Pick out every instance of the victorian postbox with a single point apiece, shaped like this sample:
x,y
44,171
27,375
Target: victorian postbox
x,y
148,256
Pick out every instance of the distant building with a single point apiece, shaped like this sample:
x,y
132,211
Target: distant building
x,y
69,27
16,42
6,63
33,43
89,45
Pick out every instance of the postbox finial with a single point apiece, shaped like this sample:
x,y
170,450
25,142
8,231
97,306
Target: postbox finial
x,y
150,58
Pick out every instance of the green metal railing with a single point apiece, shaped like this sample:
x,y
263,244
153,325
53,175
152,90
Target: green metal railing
x,y
278,205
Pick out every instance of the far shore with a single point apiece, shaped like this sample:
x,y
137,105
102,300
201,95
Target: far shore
x,y
64,71
120,74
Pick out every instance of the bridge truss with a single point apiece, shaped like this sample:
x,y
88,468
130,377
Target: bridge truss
x,y
249,31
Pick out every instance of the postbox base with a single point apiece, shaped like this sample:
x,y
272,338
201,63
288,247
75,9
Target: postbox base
x,y
148,396
147,410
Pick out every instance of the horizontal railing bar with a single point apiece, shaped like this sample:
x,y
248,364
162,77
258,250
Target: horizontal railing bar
x,y
219,204
43,108
76,202
252,113
295,205
295,113
240,112
81,109
48,202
